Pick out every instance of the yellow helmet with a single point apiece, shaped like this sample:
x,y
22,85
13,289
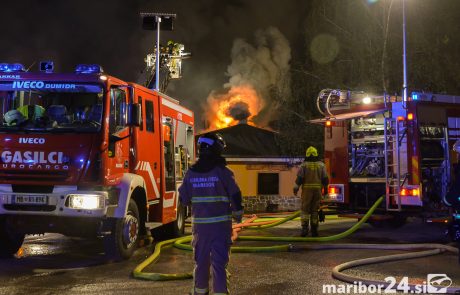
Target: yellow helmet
x,y
311,151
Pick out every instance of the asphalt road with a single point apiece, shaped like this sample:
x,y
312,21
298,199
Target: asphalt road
x,y
53,264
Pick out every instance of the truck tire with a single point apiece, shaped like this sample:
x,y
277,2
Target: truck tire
x,y
123,240
10,241
178,229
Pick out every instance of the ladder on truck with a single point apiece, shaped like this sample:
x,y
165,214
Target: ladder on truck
x,y
394,135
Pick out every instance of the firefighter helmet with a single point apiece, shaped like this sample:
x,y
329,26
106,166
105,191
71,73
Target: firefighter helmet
x,y
311,152
211,144
13,117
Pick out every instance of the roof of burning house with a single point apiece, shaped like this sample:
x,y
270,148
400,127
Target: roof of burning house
x,y
248,141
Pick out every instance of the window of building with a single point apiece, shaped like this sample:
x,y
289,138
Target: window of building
x,y
268,184
149,116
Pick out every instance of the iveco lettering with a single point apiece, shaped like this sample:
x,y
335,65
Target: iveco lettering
x,y
32,140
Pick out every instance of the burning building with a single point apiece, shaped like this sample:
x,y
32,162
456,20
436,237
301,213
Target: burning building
x,y
264,174
239,104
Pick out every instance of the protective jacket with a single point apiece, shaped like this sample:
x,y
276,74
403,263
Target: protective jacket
x,y
312,175
210,187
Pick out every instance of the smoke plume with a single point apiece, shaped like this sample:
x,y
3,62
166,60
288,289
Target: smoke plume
x,y
264,65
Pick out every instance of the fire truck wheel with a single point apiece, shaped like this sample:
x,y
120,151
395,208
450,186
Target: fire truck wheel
x,y
179,224
125,234
10,242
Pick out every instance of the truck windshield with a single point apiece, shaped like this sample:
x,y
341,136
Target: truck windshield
x,y
68,107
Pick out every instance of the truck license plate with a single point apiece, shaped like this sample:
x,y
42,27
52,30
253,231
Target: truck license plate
x,y
30,200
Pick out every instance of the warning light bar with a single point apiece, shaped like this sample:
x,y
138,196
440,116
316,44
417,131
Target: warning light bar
x,y
10,68
328,123
88,69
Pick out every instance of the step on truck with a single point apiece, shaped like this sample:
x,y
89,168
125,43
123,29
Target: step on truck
x,y
378,145
88,155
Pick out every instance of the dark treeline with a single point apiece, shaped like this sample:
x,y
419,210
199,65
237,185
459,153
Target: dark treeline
x,y
357,45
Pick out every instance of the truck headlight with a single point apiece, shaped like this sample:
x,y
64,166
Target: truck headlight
x,y
86,201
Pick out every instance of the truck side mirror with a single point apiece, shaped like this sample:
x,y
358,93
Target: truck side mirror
x,y
134,114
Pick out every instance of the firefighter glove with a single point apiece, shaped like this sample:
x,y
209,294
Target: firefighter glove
x,y
321,215
296,189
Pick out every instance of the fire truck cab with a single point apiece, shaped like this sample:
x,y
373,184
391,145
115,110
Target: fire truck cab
x,y
382,145
87,154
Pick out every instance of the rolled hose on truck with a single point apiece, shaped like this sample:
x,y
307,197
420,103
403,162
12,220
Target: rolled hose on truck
x,y
183,243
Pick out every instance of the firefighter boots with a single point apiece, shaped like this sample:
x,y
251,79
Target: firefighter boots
x,y
304,232
314,230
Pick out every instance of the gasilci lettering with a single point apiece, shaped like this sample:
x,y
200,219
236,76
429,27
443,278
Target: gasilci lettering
x,y
30,158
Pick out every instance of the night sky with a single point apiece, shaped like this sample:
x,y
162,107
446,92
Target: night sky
x,y
109,33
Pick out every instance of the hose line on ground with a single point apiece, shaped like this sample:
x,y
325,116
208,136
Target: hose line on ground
x,y
411,288
137,272
183,243
180,243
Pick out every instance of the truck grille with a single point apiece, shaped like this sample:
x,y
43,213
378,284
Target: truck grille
x,y
34,189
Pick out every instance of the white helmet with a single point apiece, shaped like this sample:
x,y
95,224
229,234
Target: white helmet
x,y
13,117
456,147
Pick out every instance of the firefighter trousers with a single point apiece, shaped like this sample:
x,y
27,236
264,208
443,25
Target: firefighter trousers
x,y
211,248
311,198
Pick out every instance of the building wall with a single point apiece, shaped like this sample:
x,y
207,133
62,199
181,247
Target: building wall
x,y
246,176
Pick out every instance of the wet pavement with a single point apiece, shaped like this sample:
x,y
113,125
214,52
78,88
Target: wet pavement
x,y
53,264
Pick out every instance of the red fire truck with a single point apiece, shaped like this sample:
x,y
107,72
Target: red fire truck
x,y
382,145
87,154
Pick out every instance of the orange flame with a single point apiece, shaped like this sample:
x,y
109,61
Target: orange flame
x,y
218,107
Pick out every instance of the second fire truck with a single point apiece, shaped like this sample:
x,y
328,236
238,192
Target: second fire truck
x,y
383,145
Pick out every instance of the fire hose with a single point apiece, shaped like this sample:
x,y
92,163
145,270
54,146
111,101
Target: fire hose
x,y
183,243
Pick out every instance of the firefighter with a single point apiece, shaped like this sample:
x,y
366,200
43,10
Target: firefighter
x,y
32,112
210,188
312,177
